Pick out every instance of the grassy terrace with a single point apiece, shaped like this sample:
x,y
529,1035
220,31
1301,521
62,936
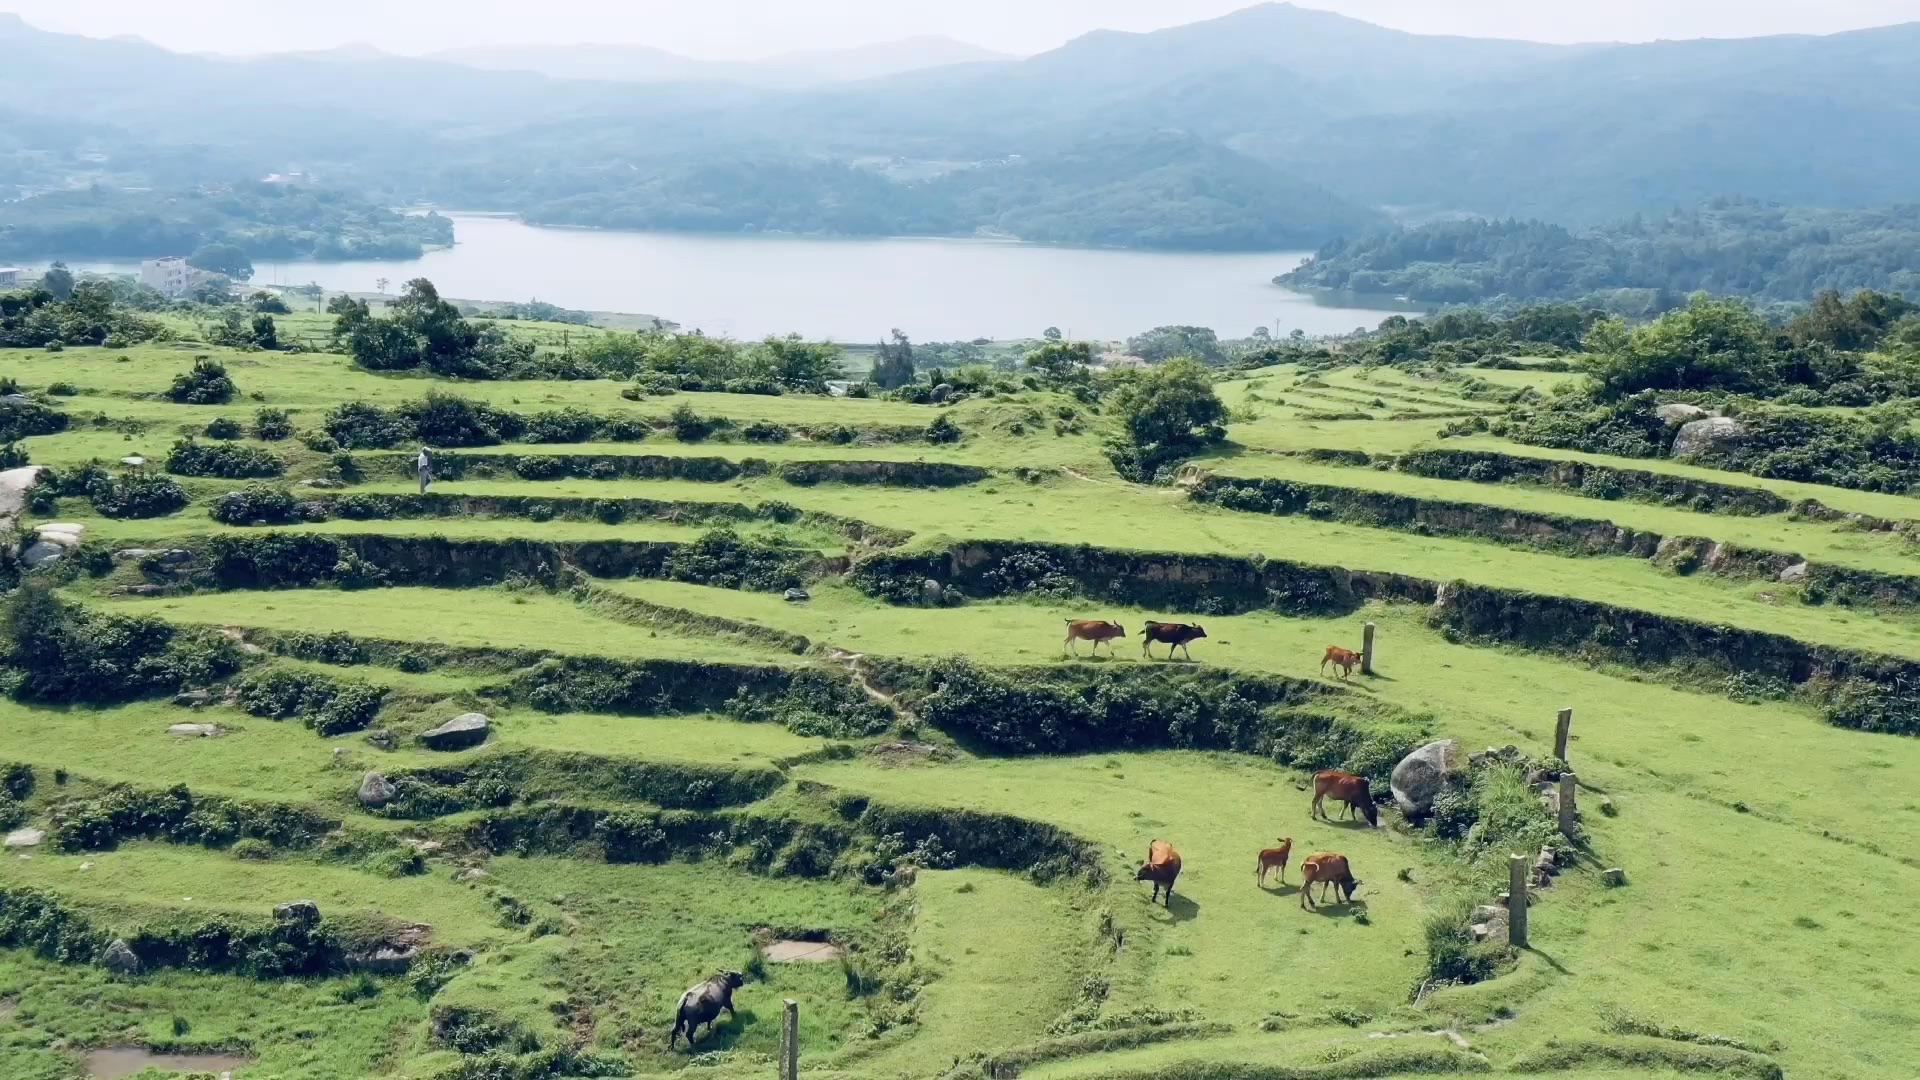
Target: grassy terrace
x,y
1767,852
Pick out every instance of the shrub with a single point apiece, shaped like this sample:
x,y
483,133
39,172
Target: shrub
x,y
624,429
205,384
251,849
329,706
357,425
943,430
272,425
763,431
689,426
62,389
1452,954
539,467
136,494
569,425
450,420
256,503
62,652
723,558
13,456
228,460
221,427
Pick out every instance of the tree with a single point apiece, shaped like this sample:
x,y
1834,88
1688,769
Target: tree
x,y
1166,342
269,303
222,259
1060,359
380,284
1051,333
265,333
894,367
58,280
1708,345
798,363
1166,414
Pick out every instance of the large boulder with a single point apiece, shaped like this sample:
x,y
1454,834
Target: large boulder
x,y
39,553
120,958
1423,774
1703,436
205,731
62,534
26,837
467,729
1680,413
304,912
376,791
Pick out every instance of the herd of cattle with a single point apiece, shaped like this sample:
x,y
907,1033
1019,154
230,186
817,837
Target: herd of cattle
x,y
1327,869
1176,636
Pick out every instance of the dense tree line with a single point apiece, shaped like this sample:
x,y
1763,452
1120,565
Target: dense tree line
x,y
88,315
1158,190
255,221
1642,265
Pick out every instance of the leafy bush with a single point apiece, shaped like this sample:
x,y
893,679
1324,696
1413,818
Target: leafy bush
x,y
227,460
689,426
13,456
450,420
256,503
329,706
569,425
943,430
206,384
1166,415
62,652
221,427
765,431
725,559
356,425
136,493
272,425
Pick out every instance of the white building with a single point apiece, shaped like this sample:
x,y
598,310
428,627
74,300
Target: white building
x,y
171,275
9,276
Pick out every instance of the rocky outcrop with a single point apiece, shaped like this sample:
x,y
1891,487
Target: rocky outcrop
x,y
121,959
459,733
1703,436
304,912
1423,774
205,731
1676,412
376,791
26,838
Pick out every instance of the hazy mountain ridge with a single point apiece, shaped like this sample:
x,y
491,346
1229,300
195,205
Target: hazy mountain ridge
x,y
646,64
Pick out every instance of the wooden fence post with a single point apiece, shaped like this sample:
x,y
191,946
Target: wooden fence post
x,y
1366,650
1517,901
790,1042
1561,731
1569,815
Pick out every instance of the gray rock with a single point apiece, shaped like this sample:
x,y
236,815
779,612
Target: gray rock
x,y
376,791
1613,877
141,590
473,874
64,535
26,837
120,958
130,554
1678,413
942,392
1423,774
385,960
207,731
467,729
931,589
795,595
304,912
133,459
40,553
1795,574
324,484
382,739
192,698
1489,913
1700,436
176,556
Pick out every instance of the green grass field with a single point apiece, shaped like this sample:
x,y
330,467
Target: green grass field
x,y
1769,856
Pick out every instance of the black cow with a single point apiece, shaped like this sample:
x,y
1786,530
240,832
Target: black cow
x,y
702,1004
1173,635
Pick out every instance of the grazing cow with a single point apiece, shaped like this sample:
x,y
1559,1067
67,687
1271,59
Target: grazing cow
x,y
1094,630
1344,787
1326,869
1173,635
1343,660
1161,868
702,1004
1272,857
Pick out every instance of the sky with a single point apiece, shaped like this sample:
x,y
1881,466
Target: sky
x,y
749,29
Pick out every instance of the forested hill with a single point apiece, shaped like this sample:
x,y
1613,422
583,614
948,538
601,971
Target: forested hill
x,y
1728,246
1161,190
265,221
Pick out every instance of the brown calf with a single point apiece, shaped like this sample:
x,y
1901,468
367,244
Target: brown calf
x,y
1272,857
1343,660
1173,635
1094,630
1343,787
1162,868
1327,869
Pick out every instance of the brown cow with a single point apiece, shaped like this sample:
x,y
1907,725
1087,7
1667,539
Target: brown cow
x,y
1347,788
1327,869
1161,868
1272,857
1094,630
1173,635
1343,660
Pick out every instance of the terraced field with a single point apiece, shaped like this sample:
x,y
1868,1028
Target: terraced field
x,y
739,693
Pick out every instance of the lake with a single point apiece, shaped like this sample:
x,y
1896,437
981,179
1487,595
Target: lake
x,y
848,290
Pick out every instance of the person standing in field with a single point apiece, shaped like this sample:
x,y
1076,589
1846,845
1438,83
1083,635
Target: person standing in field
x,y
423,465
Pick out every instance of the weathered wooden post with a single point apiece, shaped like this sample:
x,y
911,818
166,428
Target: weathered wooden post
x,y
1569,815
1517,901
1561,731
790,1042
1366,650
